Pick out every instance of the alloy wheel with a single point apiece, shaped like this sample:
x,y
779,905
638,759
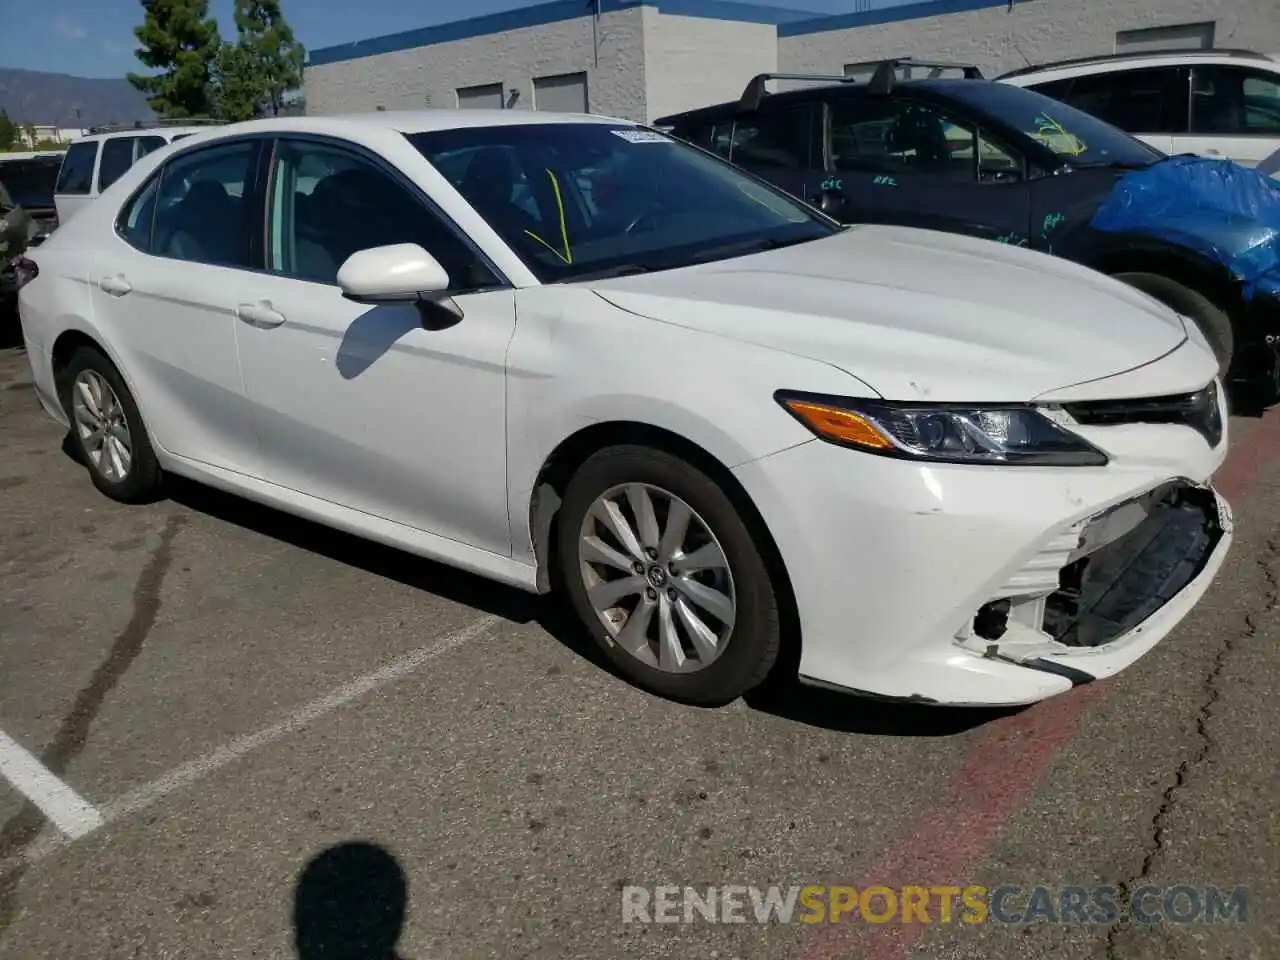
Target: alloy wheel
x,y
657,578
102,426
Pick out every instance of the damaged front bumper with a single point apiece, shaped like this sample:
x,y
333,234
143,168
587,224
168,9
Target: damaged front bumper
x,y
1132,572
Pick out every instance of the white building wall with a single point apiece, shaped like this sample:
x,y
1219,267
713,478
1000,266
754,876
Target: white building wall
x,y
999,39
430,76
693,61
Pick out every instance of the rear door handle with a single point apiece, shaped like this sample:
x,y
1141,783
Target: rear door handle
x,y
117,286
260,315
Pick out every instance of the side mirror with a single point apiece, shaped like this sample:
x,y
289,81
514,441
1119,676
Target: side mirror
x,y
832,203
401,272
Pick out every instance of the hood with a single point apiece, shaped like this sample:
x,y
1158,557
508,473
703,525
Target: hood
x,y
917,314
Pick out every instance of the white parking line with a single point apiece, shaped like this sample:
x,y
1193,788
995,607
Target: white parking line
x,y
190,772
65,808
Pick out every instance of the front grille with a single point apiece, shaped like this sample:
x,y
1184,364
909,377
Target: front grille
x,y
1200,411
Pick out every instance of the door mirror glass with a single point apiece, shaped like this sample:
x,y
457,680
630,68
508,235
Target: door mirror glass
x,y
399,272
832,203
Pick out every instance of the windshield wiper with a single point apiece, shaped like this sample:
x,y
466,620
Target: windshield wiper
x,y
608,273
1113,164
743,248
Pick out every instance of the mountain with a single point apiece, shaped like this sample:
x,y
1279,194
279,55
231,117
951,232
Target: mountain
x,y
29,96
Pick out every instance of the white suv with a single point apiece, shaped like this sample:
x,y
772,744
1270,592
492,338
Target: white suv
x,y
1216,103
93,163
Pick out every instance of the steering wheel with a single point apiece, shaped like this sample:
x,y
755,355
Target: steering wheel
x,y
642,217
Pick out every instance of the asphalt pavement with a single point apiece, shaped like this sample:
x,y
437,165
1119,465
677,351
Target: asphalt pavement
x,y
257,734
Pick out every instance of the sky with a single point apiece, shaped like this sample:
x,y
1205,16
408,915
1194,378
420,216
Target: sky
x,y
94,38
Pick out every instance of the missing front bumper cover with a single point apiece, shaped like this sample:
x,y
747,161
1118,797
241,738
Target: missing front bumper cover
x,y
1108,593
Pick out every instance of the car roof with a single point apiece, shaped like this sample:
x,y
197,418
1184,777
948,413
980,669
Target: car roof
x,y
1105,63
167,133
405,122
940,87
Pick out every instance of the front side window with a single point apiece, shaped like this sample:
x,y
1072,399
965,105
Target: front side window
x,y
117,158
326,203
775,139
892,135
203,212
575,199
1074,137
76,174
1233,101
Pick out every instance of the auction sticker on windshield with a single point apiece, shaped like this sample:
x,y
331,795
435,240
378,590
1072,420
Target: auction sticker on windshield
x,y
641,136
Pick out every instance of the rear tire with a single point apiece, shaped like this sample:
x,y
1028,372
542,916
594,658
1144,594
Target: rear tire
x,y
1212,320
107,432
703,567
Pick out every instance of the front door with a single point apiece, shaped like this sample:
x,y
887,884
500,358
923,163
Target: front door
x,y
364,406
900,161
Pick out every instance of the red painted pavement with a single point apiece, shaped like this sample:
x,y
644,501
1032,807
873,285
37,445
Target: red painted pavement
x,y
1002,769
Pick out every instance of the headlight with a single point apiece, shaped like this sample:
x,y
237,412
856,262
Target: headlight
x,y
948,433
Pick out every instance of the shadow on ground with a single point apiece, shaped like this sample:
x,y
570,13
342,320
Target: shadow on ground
x,y
782,696
350,904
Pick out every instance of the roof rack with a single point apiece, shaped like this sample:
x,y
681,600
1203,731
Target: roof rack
x,y
154,124
1136,55
755,91
881,81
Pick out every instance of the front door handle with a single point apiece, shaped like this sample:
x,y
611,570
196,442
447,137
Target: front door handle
x,y
261,314
117,286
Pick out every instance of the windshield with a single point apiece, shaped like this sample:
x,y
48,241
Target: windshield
x,y
577,199
1073,136
30,182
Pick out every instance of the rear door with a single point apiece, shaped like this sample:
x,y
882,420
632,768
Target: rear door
x,y
1235,114
902,161
165,290
75,178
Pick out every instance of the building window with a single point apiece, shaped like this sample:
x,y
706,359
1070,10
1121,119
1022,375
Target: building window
x,y
1184,36
566,93
487,96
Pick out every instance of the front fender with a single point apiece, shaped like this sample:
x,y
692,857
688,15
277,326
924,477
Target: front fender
x,y
577,362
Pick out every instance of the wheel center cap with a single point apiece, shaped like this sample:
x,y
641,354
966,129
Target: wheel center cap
x,y
657,576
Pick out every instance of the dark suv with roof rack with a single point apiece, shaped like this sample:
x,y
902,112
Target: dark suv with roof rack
x,y
997,161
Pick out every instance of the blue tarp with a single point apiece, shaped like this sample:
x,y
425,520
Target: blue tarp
x,y
1218,208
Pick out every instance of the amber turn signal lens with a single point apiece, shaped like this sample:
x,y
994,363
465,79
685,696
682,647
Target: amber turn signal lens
x,y
842,426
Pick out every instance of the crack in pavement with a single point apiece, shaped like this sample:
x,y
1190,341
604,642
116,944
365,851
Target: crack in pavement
x,y
1270,601
73,732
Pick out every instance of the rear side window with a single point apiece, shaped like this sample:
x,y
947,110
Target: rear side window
x,y
147,145
1137,101
1055,89
117,158
203,212
134,222
76,175
773,140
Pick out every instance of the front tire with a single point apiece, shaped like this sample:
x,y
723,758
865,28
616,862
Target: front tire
x,y
107,431
1212,320
665,574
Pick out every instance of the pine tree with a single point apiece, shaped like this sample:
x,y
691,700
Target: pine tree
x,y
8,131
181,40
263,65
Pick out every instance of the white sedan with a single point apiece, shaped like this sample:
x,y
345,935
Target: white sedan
x,y
570,353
